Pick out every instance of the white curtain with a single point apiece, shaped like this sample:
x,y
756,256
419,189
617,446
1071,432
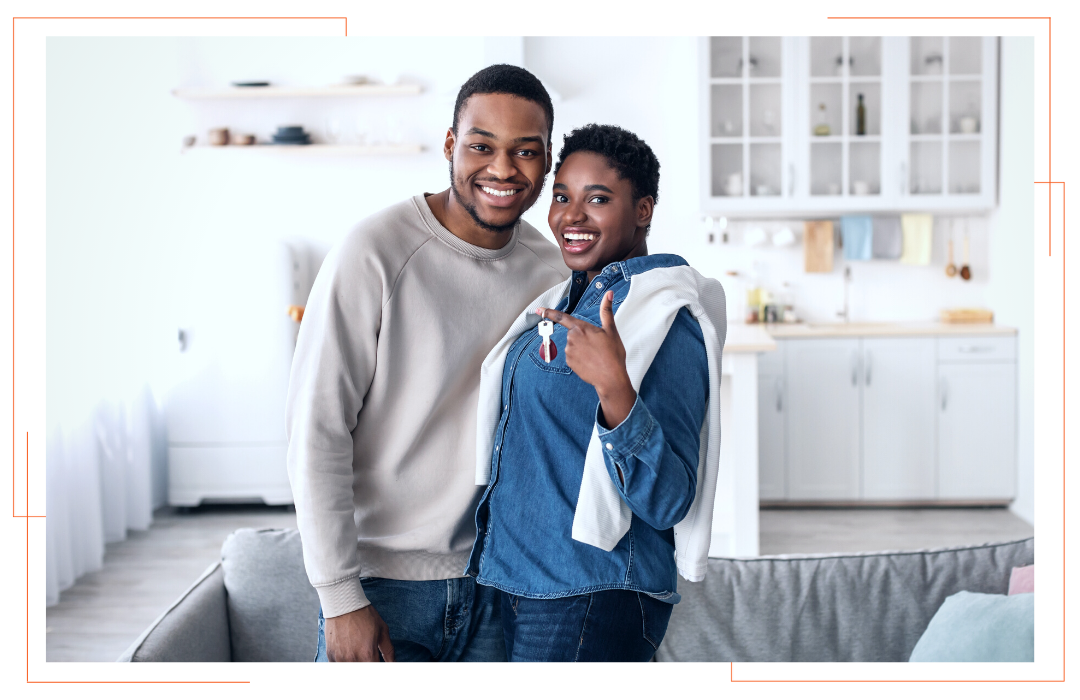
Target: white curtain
x,y
99,484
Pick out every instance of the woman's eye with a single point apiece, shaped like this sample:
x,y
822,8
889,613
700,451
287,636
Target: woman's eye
x,y
598,200
527,154
561,198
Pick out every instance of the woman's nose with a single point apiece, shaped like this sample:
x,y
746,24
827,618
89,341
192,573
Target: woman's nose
x,y
574,214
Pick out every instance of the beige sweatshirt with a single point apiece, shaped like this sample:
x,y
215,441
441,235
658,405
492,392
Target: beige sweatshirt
x,y
381,412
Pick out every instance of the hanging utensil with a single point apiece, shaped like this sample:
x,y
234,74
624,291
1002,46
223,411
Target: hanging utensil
x,y
950,269
965,271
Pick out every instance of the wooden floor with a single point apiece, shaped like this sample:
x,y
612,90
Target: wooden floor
x,y
99,617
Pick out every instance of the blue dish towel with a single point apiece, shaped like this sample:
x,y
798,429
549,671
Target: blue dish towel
x,y
858,233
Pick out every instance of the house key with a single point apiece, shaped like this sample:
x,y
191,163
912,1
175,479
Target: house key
x,y
547,347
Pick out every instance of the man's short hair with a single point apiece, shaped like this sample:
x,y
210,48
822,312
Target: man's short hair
x,y
505,79
627,154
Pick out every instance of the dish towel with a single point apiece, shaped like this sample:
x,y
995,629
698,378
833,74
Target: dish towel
x,y
858,233
888,241
918,232
818,246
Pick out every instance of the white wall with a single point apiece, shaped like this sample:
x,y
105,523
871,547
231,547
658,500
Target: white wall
x,y
1011,292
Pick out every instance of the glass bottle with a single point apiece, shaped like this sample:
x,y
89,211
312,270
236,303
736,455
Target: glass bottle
x,y
860,118
822,126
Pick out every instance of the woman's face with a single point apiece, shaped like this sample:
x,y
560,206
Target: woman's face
x,y
594,215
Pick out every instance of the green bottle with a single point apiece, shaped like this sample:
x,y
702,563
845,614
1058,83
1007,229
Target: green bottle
x,y
860,118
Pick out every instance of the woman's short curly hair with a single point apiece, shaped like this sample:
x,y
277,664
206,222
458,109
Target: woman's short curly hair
x,y
625,152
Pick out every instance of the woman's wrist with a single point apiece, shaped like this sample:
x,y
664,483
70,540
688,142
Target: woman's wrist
x,y
616,401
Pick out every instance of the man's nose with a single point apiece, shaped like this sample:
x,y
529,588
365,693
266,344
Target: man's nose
x,y
502,167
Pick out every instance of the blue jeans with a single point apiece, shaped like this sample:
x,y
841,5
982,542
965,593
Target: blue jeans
x,y
446,620
613,625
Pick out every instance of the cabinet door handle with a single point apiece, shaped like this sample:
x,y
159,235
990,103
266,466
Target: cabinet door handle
x,y
976,348
779,396
854,369
791,179
869,362
903,177
944,394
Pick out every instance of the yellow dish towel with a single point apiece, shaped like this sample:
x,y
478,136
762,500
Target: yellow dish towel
x,y
918,238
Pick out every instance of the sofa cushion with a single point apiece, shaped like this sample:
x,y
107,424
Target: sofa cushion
x,y
273,609
980,627
1022,580
831,607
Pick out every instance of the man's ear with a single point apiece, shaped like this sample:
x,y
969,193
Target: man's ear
x,y
448,145
645,210
549,160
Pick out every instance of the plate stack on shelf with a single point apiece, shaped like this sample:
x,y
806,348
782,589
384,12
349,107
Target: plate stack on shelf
x,y
291,136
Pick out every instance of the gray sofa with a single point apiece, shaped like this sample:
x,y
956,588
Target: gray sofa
x,y
256,604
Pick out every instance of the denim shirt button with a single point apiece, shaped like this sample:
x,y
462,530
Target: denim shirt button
x,y
608,445
599,285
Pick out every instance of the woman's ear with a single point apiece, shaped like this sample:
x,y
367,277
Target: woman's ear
x,y
645,211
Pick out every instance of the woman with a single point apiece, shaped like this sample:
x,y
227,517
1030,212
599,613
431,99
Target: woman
x,y
589,440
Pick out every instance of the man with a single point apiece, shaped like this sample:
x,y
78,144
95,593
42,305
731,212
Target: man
x,y
381,411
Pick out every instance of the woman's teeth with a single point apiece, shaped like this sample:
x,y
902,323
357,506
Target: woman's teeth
x,y
499,193
579,236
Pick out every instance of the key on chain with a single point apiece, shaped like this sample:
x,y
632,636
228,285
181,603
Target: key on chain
x,y
547,346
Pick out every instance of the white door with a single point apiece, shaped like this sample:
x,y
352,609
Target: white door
x,y
824,419
898,418
977,430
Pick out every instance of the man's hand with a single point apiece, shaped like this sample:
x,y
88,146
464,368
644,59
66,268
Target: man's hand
x,y
358,636
598,357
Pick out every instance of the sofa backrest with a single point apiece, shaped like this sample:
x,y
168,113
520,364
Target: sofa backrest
x,y
273,609
858,607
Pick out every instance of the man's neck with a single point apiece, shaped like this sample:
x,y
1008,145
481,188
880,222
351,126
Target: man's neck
x,y
449,212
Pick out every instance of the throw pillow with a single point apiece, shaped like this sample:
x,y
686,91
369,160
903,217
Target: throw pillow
x,y
980,627
1022,580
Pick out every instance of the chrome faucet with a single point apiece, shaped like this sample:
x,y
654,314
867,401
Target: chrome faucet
x,y
846,313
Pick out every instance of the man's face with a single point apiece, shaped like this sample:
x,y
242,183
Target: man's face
x,y
498,159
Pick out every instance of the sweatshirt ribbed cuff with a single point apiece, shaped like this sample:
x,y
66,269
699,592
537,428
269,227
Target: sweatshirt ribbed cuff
x,y
342,597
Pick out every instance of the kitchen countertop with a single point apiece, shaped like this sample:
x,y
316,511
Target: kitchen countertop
x,y
840,330
742,337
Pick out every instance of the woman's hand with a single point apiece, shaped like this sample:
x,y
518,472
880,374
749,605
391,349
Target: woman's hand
x,y
598,357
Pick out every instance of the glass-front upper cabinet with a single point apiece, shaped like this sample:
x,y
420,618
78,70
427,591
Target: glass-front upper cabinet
x,y
836,124
841,104
950,113
746,121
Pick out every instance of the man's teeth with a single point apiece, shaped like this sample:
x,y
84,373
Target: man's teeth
x,y
498,193
579,236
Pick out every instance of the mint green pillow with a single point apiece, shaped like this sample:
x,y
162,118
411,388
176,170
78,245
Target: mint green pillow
x,y
980,627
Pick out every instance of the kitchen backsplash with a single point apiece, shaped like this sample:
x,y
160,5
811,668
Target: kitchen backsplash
x,y
880,290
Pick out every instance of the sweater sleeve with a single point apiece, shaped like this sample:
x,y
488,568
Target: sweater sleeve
x,y
332,368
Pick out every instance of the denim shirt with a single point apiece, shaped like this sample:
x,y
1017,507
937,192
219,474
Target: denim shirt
x,y
523,522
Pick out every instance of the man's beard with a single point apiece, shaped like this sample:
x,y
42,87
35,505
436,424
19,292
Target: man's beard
x,y
471,209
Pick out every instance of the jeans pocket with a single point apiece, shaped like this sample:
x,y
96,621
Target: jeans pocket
x,y
654,619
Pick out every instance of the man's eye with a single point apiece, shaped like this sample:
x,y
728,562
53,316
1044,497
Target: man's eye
x,y
479,147
527,154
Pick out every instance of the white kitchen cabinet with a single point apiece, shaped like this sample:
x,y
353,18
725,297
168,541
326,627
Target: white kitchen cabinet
x,y
780,131
888,419
976,416
898,392
823,426
772,475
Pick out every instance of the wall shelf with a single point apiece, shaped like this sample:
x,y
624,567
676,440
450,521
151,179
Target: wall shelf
x,y
271,91
318,149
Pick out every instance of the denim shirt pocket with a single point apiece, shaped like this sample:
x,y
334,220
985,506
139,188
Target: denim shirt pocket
x,y
558,363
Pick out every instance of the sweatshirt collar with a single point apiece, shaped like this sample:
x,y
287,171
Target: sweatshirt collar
x,y
461,246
